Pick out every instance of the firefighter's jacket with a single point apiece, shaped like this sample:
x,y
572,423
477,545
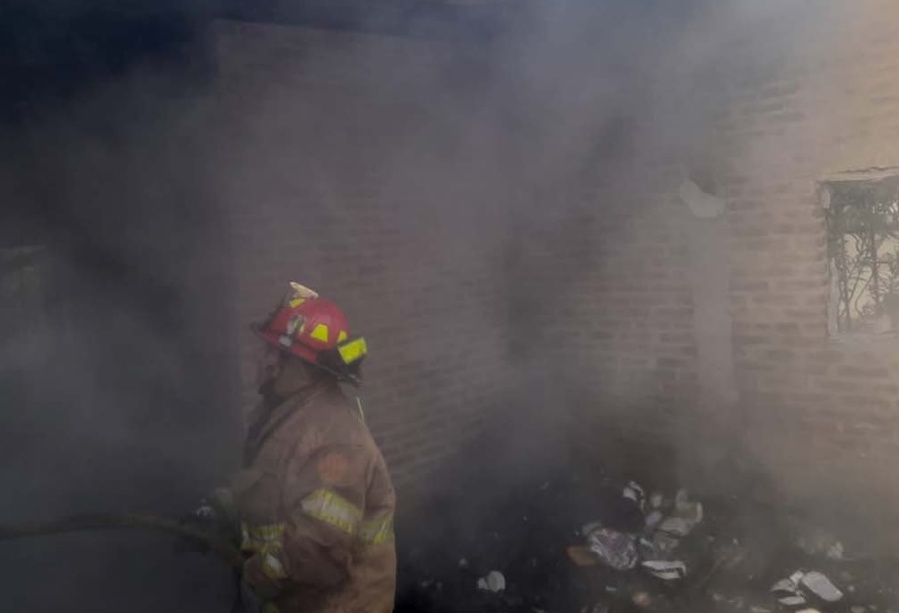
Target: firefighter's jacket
x,y
317,506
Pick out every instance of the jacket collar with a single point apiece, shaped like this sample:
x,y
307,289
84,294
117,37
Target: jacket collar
x,y
264,421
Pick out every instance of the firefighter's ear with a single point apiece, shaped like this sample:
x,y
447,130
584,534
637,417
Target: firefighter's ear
x,y
268,364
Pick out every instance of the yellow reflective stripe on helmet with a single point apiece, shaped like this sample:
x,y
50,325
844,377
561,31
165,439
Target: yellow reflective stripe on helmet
x,y
353,351
342,336
320,333
377,530
332,509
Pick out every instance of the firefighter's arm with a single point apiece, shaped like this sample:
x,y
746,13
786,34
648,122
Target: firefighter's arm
x,y
323,501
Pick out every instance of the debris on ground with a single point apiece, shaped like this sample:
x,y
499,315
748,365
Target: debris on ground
x,y
495,581
788,592
616,550
794,591
591,546
816,542
665,570
821,586
581,555
649,539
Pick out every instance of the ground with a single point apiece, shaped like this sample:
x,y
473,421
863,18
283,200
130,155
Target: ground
x,y
733,557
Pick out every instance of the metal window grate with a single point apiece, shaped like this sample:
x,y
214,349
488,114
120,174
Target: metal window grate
x,y
863,253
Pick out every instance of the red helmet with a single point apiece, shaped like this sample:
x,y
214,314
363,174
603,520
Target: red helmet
x,y
314,329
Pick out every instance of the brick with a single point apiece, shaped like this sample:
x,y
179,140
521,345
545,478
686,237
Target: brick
x,y
862,372
415,393
622,307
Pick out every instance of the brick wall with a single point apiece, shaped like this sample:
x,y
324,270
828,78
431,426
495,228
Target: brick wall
x,y
632,331
353,163
348,166
818,412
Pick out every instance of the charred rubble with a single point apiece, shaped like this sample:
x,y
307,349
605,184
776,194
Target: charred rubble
x,y
739,557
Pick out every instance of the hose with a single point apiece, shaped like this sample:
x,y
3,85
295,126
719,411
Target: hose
x,y
221,547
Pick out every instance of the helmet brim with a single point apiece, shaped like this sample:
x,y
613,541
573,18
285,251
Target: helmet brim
x,y
298,350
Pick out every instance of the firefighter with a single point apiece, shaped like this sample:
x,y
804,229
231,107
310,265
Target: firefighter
x,y
314,497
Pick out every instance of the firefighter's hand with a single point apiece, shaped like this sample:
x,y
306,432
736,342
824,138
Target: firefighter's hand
x,y
261,582
187,544
218,507
216,510
216,515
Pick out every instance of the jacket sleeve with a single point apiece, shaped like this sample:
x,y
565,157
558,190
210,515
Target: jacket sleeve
x,y
323,502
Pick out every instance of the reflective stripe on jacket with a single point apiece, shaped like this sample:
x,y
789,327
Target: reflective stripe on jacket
x,y
318,505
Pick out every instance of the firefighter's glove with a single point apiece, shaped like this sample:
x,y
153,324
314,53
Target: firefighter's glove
x,y
205,514
219,508
263,574
216,516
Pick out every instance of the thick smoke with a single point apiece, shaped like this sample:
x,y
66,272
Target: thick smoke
x,y
603,104
120,388
112,317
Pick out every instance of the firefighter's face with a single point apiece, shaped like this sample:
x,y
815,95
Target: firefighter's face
x,y
268,365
